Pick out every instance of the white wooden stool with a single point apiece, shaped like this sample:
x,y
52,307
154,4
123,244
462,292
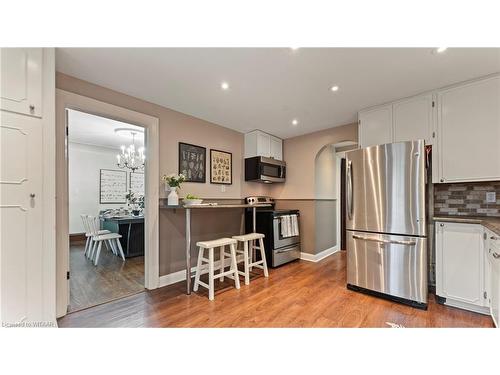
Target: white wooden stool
x,y
209,264
248,247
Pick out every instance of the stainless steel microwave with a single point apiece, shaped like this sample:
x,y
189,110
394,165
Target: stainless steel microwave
x,y
266,170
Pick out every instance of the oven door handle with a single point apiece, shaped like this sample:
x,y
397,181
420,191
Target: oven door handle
x,y
397,242
287,250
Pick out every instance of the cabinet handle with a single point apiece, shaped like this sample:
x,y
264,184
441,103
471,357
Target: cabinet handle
x,y
32,195
441,180
441,225
32,108
496,255
493,238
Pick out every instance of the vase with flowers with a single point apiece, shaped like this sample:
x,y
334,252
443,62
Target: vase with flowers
x,y
173,182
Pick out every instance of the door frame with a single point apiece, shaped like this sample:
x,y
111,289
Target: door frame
x,y
68,100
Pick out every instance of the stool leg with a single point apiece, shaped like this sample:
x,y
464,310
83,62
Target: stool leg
x,y
222,262
234,267
198,270
250,253
263,255
245,257
211,274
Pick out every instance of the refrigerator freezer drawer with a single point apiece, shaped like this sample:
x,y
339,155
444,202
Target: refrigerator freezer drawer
x,y
388,264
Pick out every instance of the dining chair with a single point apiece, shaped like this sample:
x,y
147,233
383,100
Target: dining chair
x,y
111,239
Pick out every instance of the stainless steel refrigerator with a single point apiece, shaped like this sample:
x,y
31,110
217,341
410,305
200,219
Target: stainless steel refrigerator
x,y
386,222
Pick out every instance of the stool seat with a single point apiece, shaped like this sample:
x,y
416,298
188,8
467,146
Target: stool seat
x,y
216,243
249,237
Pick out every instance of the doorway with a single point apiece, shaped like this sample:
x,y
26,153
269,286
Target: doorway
x,y
66,101
106,177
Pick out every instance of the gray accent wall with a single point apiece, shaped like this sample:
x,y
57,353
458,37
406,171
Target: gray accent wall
x,y
326,224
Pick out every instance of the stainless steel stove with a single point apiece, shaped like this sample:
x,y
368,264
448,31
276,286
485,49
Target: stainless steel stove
x,y
281,247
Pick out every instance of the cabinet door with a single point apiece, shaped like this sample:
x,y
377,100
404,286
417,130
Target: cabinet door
x,y
263,144
375,126
495,290
276,148
413,119
21,80
469,131
21,217
460,262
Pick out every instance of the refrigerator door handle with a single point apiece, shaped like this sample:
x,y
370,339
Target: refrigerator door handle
x,y
397,242
349,189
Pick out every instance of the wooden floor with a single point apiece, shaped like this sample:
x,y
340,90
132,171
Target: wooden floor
x,y
111,279
300,294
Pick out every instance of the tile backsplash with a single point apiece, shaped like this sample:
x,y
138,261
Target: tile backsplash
x,y
466,199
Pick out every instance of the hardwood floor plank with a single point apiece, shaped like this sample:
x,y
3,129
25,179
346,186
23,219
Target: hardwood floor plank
x,y
300,294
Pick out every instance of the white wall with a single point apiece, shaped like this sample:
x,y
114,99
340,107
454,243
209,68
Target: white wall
x,y
325,174
85,162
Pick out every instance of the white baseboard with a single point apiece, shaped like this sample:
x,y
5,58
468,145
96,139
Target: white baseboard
x,y
320,256
175,277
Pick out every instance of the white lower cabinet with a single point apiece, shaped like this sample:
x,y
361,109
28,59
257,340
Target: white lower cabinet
x,y
460,266
493,280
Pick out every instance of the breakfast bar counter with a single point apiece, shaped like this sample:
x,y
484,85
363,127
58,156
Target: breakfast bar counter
x,y
206,206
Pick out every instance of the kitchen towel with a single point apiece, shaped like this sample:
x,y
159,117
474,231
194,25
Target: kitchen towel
x,y
295,225
286,226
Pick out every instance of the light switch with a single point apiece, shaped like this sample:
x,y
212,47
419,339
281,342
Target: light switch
x,y
491,197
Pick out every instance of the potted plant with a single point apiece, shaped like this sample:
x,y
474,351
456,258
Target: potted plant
x,y
173,182
136,202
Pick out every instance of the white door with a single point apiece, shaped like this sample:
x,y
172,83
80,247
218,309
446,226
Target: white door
x,y
21,80
460,262
413,119
263,144
375,126
469,131
276,148
21,217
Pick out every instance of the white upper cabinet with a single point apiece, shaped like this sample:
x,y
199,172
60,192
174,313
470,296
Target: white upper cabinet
x,y
375,126
276,151
413,119
21,80
469,132
258,143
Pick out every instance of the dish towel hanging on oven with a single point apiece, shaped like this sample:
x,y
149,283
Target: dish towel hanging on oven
x,y
289,226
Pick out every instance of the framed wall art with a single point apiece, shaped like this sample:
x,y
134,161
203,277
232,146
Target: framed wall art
x,y
192,162
112,186
221,167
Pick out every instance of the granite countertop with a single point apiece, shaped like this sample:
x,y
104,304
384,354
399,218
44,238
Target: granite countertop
x,y
492,223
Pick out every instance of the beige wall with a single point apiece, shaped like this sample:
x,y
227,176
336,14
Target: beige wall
x,y
300,155
297,193
175,127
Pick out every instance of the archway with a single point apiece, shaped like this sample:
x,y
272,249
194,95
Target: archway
x,y
328,195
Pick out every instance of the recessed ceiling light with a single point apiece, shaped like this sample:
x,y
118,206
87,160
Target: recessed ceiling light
x,y
441,49
224,86
295,122
334,88
294,48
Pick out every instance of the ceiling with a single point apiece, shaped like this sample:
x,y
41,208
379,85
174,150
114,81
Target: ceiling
x,y
99,131
269,87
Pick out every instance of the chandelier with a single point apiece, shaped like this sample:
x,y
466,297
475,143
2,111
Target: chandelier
x,y
130,157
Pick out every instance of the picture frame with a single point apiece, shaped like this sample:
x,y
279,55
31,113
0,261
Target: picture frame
x,y
136,182
112,186
221,167
192,162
